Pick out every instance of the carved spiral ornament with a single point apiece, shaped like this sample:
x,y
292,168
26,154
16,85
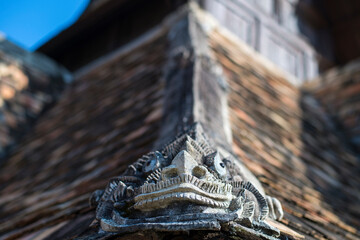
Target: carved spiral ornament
x,y
188,185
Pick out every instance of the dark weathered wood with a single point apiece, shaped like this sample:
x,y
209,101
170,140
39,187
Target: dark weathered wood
x,y
272,30
195,90
104,28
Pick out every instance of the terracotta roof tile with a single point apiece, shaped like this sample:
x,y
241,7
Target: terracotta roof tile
x,y
285,136
105,119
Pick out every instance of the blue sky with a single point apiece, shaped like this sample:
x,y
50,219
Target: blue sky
x,y
30,23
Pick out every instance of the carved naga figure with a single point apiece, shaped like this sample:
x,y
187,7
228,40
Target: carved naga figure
x,y
188,185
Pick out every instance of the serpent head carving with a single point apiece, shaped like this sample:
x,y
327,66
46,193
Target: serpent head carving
x,y
187,185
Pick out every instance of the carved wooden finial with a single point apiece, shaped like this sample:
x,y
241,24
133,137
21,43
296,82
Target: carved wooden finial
x,y
192,182
187,185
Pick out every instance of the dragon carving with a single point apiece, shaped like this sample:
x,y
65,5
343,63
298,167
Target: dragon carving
x,y
188,185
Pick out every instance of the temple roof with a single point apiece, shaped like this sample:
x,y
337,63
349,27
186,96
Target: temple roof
x,y
105,119
111,114
287,138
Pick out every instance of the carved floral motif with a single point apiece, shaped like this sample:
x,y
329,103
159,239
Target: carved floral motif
x,y
188,185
